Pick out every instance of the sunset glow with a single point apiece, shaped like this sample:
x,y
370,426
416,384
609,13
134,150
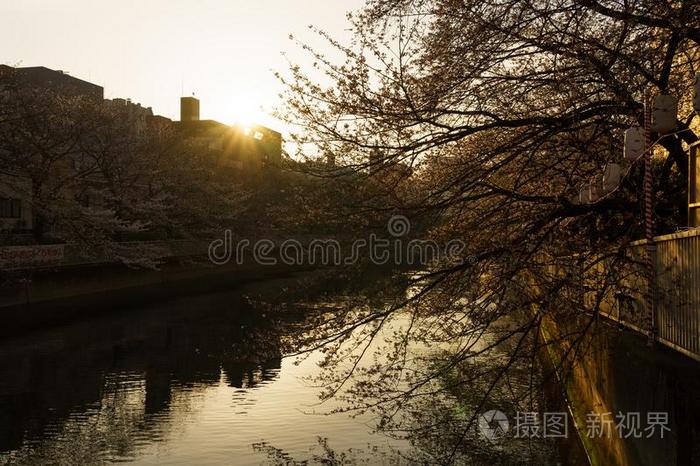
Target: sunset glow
x,y
224,52
318,232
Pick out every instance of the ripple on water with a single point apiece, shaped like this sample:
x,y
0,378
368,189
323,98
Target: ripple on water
x,y
162,387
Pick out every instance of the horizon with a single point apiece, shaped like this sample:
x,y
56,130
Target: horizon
x,y
149,60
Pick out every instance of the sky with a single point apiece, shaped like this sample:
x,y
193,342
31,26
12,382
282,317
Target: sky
x,y
153,51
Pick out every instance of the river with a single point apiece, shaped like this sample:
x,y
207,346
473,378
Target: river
x,y
205,379
190,380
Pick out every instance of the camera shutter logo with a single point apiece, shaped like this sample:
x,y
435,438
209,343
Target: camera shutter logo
x,y
493,424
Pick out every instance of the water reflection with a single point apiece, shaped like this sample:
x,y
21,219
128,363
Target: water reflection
x,y
110,389
202,380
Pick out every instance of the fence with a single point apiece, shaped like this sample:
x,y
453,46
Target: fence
x,y
678,291
73,254
676,314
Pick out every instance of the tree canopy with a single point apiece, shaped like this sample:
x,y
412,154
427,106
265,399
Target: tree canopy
x,y
503,110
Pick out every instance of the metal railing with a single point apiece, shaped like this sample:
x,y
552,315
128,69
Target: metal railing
x,y
676,290
614,285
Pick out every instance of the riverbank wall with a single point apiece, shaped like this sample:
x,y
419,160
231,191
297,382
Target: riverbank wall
x,y
612,379
32,298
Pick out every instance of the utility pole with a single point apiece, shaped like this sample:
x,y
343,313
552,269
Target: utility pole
x,y
650,247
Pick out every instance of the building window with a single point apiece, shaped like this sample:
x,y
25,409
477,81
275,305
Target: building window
x,y
10,208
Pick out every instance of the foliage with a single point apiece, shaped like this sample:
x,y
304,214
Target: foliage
x,y
104,174
501,111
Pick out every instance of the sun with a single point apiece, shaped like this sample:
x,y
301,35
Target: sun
x,y
246,110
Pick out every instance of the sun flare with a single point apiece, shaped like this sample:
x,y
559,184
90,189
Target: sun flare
x,y
246,111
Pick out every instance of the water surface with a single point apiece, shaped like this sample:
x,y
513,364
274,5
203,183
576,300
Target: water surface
x,y
194,380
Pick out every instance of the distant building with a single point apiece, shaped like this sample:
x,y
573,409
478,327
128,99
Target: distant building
x,y
15,202
57,80
18,215
239,146
247,149
189,109
133,114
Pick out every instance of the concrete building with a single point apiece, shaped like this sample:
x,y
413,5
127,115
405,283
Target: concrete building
x,y
15,202
189,109
133,114
18,215
247,147
57,80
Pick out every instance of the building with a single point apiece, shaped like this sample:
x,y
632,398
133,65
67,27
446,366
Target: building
x,y
243,149
132,114
247,147
15,202
189,109
41,77
18,215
